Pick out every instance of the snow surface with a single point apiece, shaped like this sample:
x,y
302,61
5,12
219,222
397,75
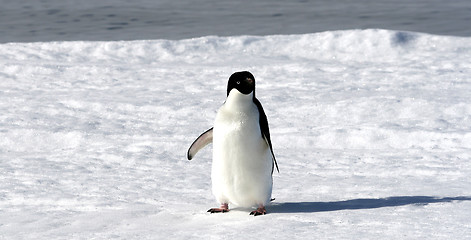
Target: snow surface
x,y
371,129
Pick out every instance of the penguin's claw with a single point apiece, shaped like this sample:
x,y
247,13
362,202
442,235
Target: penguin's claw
x,y
218,210
260,211
224,208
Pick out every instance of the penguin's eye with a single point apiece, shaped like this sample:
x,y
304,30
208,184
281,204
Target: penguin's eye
x,y
238,82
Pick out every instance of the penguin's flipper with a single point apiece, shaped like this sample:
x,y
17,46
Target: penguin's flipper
x,y
272,154
203,140
265,131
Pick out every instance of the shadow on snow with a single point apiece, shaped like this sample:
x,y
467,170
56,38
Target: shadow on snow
x,y
299,207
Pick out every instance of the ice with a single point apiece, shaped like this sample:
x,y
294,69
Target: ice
x,y
371,129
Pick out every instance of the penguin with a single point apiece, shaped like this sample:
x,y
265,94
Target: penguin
x,y
243,158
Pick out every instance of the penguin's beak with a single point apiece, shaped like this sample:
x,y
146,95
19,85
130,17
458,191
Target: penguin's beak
x,y
250,81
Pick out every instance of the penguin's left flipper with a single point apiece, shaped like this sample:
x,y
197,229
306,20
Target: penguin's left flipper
x,y
265,131
203,140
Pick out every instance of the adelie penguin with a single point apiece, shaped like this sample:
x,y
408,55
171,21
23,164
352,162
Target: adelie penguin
x,y
243,159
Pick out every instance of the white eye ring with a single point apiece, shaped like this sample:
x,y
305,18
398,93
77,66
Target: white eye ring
x,y
238,82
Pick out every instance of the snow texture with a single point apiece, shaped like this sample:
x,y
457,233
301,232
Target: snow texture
x,y
371,130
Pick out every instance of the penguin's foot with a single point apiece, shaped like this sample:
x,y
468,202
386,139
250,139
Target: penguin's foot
x,y
260,211
224,208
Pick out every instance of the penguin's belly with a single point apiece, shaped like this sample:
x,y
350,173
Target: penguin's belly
x,y
242,161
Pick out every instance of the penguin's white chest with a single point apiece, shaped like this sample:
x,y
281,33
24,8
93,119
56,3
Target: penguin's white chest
x,y
242,161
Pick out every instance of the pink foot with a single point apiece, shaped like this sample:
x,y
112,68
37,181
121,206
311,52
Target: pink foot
x,y
260,211
224,208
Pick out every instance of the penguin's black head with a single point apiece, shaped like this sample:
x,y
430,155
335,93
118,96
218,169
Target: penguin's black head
x,y
242,81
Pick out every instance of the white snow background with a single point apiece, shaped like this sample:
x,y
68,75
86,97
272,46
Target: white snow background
x,y
371,129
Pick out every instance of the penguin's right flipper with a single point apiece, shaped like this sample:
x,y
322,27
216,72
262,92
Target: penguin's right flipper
x,y
203,140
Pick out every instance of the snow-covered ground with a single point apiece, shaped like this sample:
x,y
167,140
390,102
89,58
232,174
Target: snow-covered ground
x,y
371,129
